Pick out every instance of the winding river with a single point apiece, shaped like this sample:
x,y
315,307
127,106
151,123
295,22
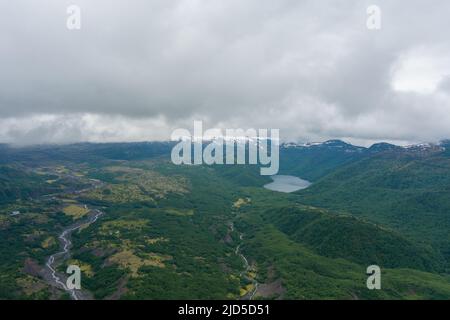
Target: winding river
x,y
57,258
246,270
49,273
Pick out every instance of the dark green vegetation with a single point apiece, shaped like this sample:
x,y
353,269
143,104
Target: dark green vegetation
x,y
359,241
16,183
178,231
405,191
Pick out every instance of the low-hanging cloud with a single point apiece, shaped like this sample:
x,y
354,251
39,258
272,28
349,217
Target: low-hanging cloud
x,y
138,69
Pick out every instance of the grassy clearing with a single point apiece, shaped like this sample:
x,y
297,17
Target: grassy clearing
x,y
126,259
241,202
85,268
49,242
245,290
75,211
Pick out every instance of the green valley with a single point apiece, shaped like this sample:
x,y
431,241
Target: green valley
x,y
214,232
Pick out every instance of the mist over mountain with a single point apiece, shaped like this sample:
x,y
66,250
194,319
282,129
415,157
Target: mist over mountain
x,y
137,71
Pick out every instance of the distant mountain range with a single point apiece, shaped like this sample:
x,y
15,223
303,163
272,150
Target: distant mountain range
x,y
377,147
130,150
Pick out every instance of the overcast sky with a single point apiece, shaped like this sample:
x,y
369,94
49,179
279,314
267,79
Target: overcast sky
x,y
137,69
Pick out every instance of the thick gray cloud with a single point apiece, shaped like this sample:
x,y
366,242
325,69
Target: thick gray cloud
x,y
138,69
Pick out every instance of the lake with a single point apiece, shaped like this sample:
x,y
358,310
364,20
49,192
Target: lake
x,y
282,183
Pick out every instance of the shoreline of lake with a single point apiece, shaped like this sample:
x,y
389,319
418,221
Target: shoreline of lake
x,y
287,184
